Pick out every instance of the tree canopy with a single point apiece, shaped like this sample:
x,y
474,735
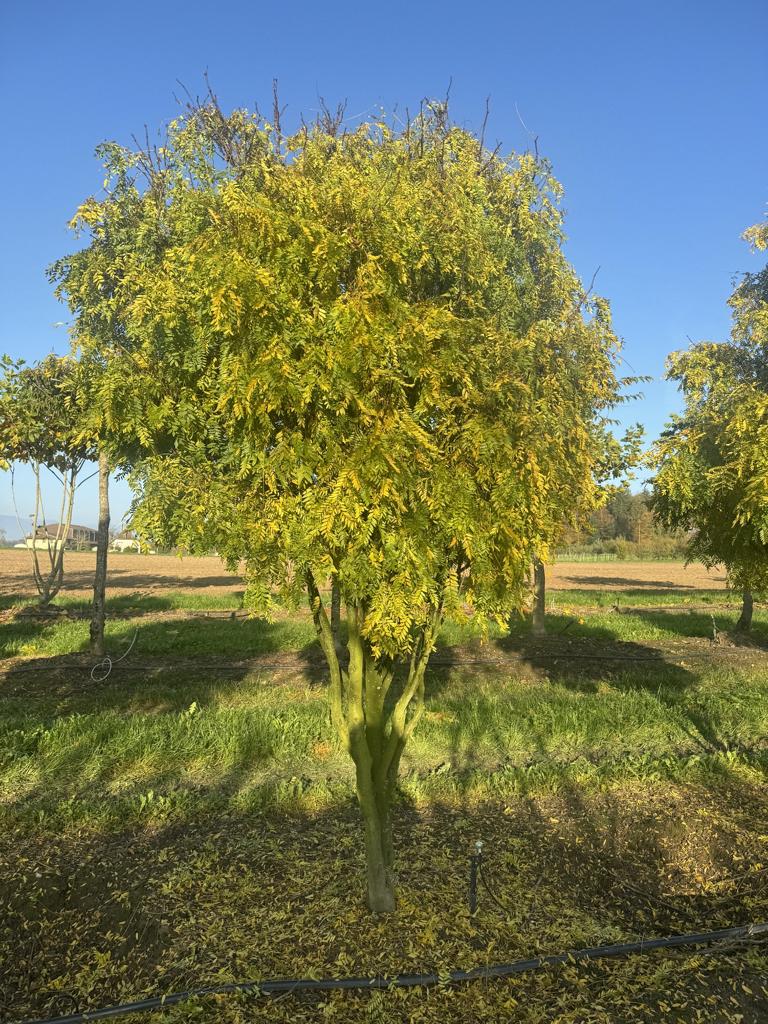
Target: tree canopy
x,y
349,355
712,461
40,425
39,419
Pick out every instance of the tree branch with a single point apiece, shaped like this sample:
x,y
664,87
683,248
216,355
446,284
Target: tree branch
x,y
326,638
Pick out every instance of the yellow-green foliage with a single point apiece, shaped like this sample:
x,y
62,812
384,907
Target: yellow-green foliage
x,y
712,462
39,419
361,354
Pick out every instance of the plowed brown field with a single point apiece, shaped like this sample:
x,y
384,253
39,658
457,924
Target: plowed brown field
x,y
156,573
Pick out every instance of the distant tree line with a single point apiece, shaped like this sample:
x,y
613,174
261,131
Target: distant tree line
x,y
625,527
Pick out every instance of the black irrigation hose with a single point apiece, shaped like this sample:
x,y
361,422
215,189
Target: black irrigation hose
x,y
292,985
488,888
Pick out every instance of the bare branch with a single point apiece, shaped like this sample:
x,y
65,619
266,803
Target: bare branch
x,y
529,132
483,126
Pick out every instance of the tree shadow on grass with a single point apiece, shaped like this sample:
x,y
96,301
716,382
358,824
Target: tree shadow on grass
x,y
595,661
614,582
173,639
120,578
717,627
579,647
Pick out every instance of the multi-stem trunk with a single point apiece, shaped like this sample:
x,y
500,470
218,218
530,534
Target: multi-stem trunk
x,y
102,546
48,581
745,619
538,619
374,712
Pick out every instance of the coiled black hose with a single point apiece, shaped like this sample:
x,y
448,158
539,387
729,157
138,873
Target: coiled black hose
x,y
411,980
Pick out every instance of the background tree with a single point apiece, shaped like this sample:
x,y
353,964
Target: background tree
x,y
84,395
712,461
613,460
39,426
92,276
99,613
358,356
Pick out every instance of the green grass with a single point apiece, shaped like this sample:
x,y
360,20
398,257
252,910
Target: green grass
x,y
181,637
558,600
178,825
173,743
644,625
242,638
93,754
141,601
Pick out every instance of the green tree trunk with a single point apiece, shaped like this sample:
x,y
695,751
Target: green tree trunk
x,y
374,719
335,610
378,839
745,619
366,693
538,619
102,546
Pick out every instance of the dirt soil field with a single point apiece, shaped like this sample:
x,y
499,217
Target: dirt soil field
x,y
634,575
156,573
126,574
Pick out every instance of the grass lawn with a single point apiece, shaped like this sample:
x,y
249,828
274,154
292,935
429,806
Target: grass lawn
x,y
191,820
631,597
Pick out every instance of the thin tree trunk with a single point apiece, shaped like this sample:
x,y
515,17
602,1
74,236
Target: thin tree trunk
x,y
57,566
36,571
102,546
48,583
538,619
745,619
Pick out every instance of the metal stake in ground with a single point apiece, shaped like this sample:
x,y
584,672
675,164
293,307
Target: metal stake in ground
x,y
475,861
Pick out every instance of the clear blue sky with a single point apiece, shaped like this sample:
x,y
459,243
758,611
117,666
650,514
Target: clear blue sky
x,y
654,115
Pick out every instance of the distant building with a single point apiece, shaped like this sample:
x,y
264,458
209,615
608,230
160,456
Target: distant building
x,y
76,538
126,541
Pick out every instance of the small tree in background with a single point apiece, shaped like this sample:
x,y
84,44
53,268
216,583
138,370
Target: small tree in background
x,y
99,615
84,391
39,426
358,356
89,281
712,461
613,460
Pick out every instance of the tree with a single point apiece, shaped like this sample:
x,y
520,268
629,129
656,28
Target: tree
x,y
712,460
39,426
99,612
613,459
89,372
358,356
